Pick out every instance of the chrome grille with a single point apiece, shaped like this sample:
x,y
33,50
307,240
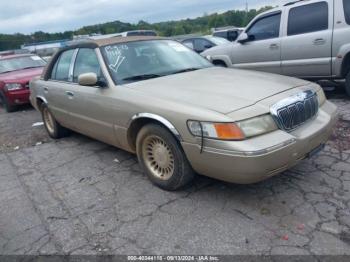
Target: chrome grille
x,y
294,111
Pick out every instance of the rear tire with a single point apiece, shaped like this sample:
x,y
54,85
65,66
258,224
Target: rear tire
x,y
53,128
347,84
162,158
9,108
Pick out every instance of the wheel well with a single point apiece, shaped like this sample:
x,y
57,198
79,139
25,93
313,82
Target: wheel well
x,y
219,62
39,102
346,65
137,125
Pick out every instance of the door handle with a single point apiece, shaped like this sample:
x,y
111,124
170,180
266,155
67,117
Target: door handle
x,y
70,94
273,46
46,90
319,41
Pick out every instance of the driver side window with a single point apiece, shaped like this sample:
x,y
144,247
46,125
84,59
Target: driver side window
x,y
86,62
265,28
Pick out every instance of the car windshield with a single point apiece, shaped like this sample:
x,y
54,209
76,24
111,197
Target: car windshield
x,y
218,40
19,63
142,60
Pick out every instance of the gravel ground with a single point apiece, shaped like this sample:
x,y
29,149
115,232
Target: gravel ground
x,y
80,196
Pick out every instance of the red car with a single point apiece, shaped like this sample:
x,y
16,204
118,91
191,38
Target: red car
x,y
15,73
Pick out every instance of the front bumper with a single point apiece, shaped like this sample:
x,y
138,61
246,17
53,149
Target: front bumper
x,y
259,158
18,97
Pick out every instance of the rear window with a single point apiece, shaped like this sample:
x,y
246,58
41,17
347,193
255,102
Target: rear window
x,y
142,33
347,10
308,18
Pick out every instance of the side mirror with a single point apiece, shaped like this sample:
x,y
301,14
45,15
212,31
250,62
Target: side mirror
x,y
244,37
90,79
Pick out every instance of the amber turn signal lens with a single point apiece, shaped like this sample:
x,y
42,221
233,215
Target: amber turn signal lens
x,y
228,131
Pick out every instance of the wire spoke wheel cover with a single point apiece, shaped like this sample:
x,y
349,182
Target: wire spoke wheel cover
x,y
49,121
158,157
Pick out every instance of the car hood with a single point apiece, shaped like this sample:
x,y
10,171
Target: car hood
x,y
218,89
21,75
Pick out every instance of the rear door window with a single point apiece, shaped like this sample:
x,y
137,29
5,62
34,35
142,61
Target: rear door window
x,y
308,18
347,10
60,71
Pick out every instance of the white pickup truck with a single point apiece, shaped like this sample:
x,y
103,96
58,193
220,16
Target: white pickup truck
x,y
308,39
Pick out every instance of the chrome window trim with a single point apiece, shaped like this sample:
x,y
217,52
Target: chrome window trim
x,y
72,64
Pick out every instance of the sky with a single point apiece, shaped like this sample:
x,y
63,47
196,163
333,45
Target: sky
x,y
28,16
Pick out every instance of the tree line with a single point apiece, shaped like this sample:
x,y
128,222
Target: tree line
x,y
200,25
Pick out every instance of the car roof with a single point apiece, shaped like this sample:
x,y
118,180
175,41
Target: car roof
x,y
270,11
90,43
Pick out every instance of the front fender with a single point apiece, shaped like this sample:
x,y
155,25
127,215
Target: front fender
x,y
157,118
226,59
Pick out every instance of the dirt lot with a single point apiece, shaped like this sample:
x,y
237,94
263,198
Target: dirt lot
x,y
79,196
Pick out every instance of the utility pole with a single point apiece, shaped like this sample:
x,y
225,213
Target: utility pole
x,y
246,13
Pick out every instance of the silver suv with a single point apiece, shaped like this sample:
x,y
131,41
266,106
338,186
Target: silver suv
x,y
306,39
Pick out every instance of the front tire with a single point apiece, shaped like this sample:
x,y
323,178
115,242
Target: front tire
x,y
162,158
53,128
347,84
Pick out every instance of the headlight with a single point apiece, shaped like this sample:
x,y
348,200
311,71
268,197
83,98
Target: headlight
x,y
321,97
13,86
257,125
223,131
233,131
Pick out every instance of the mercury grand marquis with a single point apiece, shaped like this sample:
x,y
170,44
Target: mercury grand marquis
x,y
181,115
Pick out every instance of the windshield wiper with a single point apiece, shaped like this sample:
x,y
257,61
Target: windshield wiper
x,y
28,67
141,77
185,70
4,72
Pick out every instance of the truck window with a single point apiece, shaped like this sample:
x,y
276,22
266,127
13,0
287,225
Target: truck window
x,y
232,35
308,18
347,10
222,34
266,28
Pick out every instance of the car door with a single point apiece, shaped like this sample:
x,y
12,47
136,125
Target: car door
x,y
56,88
91,109
307,41
263,50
